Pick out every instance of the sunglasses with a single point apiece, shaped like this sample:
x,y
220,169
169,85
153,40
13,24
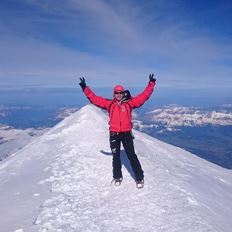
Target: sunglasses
x,y
118,92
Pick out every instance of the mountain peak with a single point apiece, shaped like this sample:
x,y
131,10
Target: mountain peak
x,y
63,179
84,117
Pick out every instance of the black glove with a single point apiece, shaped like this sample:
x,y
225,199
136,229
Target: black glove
x,y
151,77
82,83
126,95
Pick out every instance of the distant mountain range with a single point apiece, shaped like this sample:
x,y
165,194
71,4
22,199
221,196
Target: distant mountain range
x,y
12,140
174,116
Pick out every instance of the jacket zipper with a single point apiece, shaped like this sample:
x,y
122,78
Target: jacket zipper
x,y
120,123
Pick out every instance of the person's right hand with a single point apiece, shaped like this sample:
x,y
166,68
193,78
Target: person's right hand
x,y
151,77
82,83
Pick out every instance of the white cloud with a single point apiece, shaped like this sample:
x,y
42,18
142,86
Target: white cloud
x,y
120,41
35,62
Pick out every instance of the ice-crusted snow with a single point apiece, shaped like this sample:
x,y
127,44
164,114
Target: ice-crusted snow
x,y
61,182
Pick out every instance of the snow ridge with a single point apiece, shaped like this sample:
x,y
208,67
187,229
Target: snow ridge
x,y
73,163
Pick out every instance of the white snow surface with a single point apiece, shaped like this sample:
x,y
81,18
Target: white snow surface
x,y
61,182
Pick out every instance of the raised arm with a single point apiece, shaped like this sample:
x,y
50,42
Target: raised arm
x,y
96,100
144,96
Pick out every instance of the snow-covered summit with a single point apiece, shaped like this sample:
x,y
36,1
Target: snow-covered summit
x,y
61,182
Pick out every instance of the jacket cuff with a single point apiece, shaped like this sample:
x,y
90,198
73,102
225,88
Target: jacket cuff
x,y
152,83
86,90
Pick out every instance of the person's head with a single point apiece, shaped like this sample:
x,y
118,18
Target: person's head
x,y
118,92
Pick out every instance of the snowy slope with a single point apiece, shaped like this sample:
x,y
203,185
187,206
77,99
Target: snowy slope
x,y
61,182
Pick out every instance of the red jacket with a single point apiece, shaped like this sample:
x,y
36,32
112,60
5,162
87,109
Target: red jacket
x,y
120,113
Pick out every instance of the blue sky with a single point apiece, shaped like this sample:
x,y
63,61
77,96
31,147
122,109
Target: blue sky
x,y
187,44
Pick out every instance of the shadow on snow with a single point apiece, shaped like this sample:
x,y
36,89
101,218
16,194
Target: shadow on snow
x,y
125,161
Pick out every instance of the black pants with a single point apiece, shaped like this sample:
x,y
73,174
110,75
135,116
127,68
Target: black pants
x,y
127,141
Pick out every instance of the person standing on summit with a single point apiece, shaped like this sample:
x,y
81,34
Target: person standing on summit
x,y
119,109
